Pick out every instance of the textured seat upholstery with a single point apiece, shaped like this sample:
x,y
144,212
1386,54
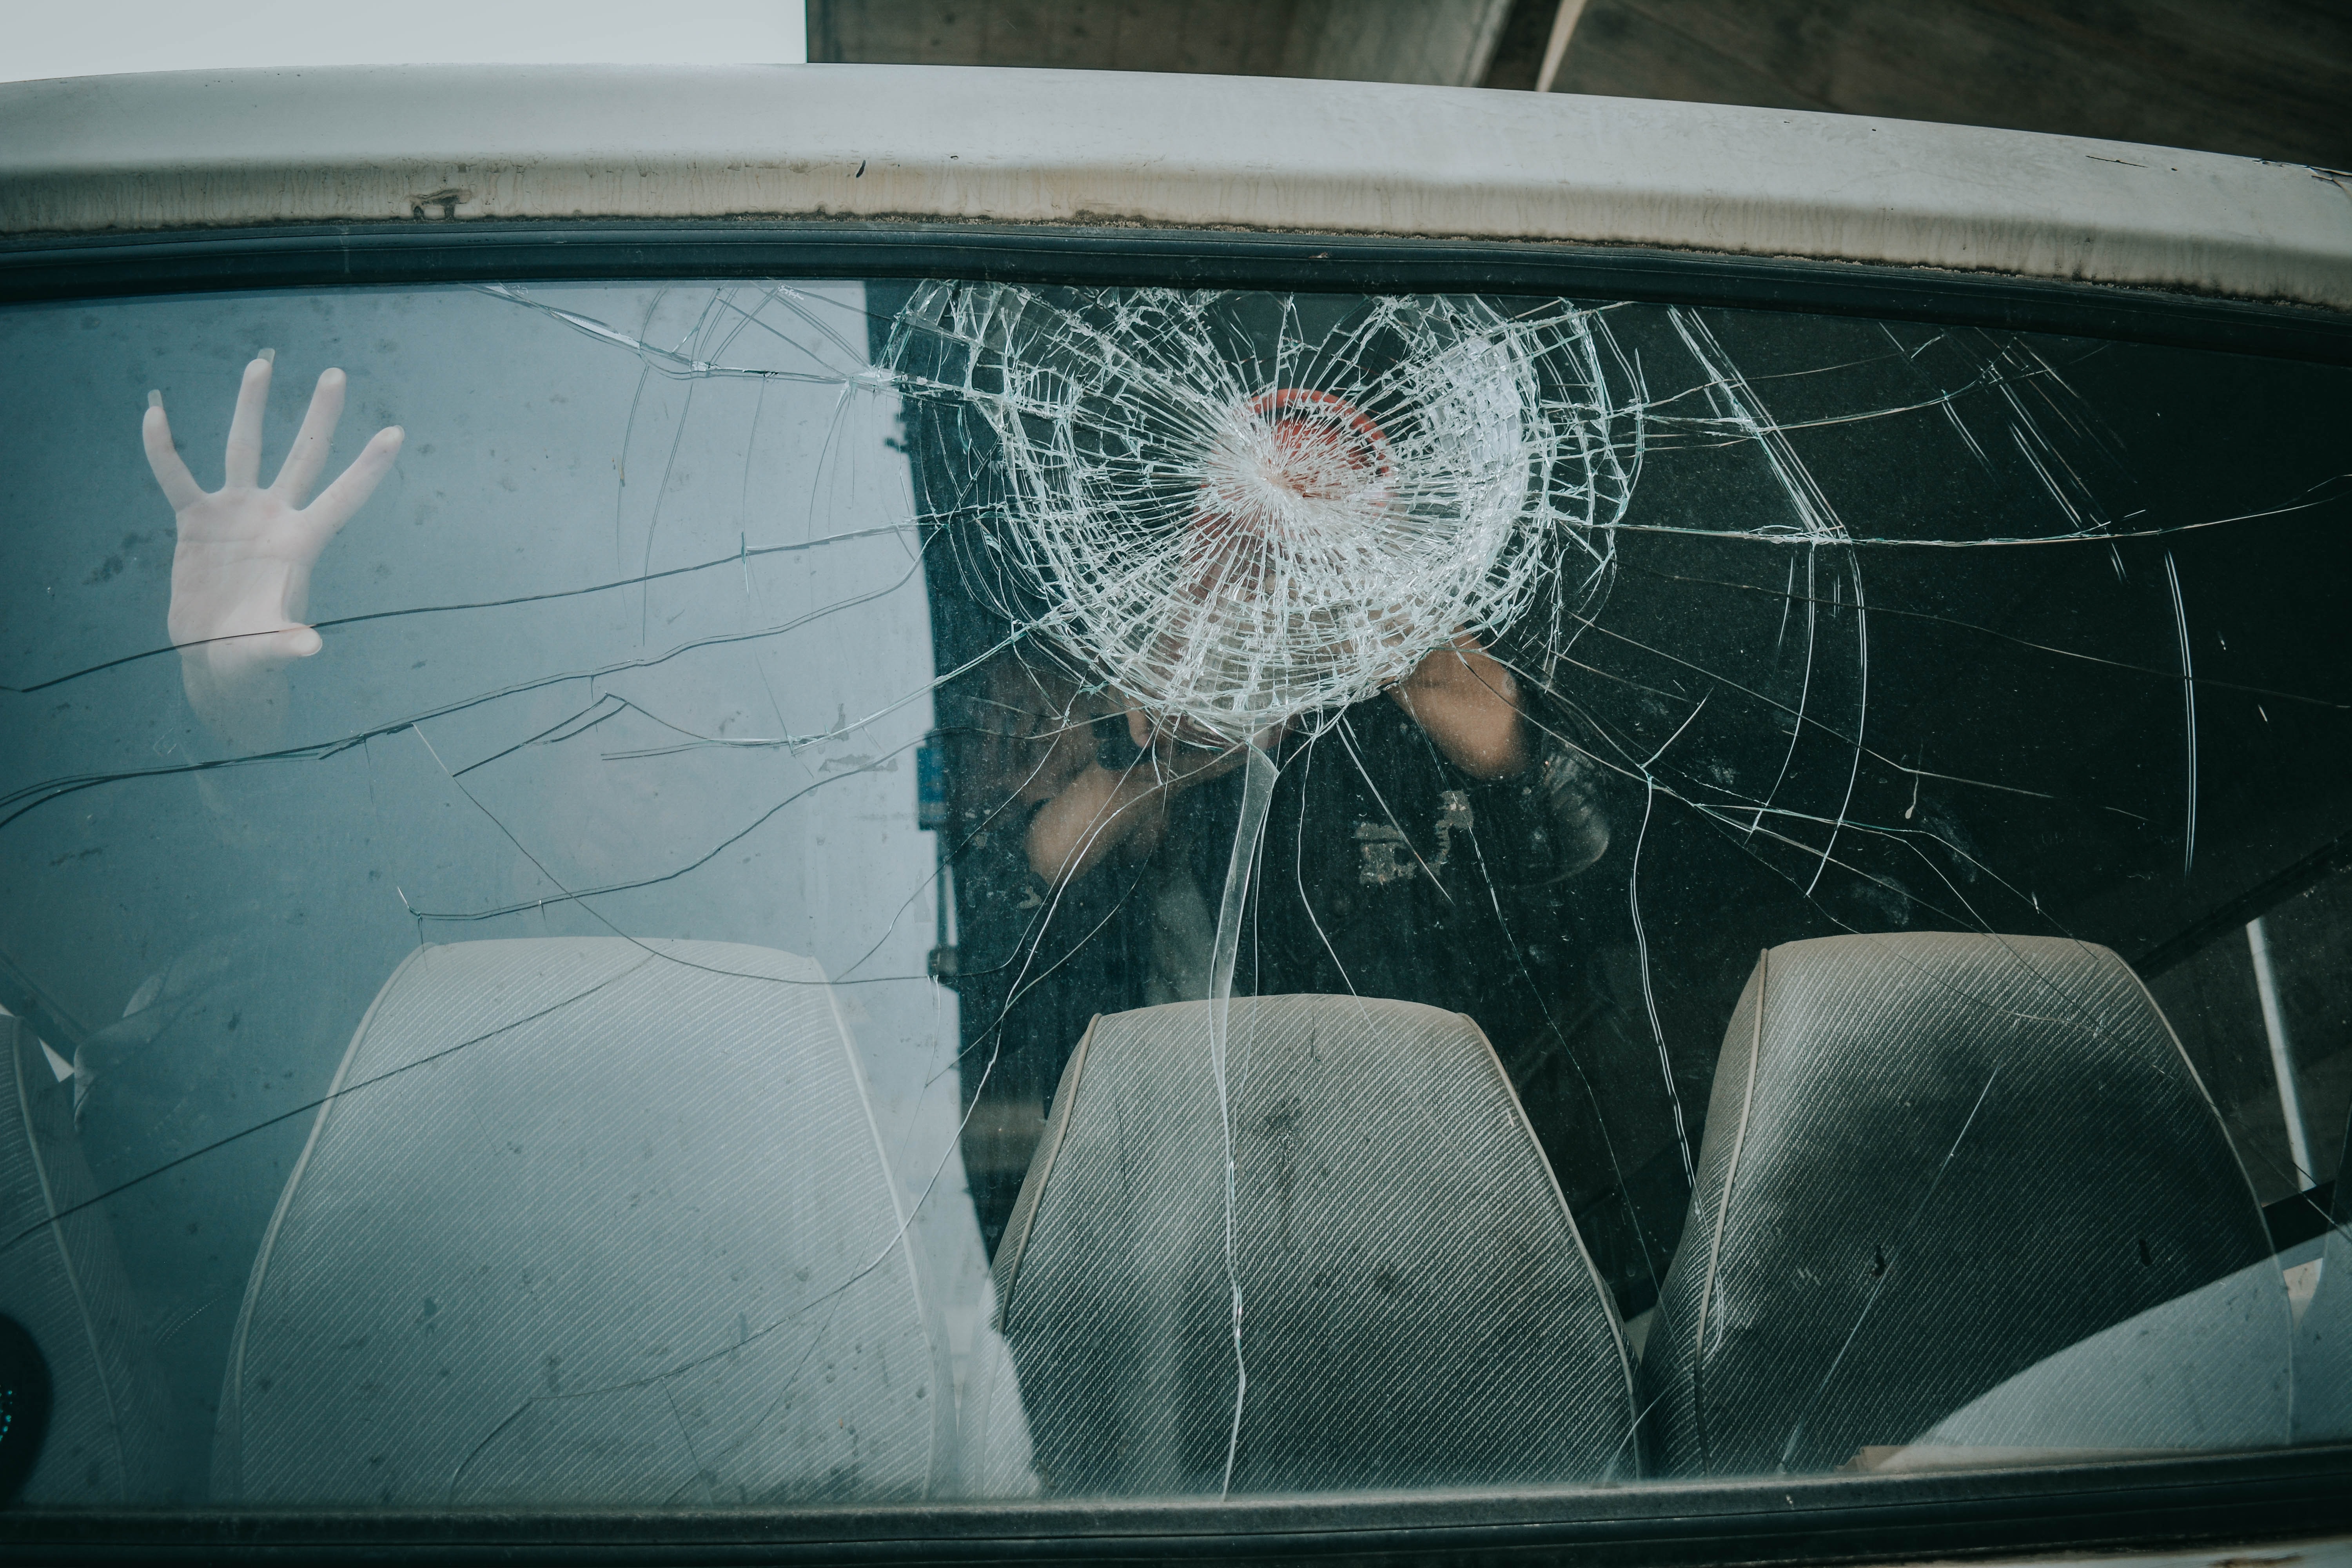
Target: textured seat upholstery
x,y
1937,1169
62,1281
1415,1307
2323,1351
588,1221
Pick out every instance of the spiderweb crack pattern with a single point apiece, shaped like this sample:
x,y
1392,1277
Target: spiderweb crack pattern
x,y
1237,532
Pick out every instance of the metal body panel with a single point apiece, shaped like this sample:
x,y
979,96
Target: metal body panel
x,y
432,144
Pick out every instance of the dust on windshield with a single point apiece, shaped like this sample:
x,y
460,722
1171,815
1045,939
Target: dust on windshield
x,y
799,892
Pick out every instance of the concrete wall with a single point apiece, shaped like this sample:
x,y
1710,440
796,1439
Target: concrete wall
x,y
2263,79
1443,43
2267,79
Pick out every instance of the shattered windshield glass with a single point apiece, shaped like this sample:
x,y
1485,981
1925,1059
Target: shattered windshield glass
x,y
779,893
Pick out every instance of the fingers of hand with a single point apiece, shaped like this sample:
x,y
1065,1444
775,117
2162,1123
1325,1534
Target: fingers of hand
x,y
241,462
308,456
351,490
268,648
234,656
180,486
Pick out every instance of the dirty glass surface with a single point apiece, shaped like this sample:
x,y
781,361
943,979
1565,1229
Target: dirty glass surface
x,y
830,892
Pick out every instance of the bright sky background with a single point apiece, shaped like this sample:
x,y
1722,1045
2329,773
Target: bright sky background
x,y
92,38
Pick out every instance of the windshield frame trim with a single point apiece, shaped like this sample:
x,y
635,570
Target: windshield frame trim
x,y
430,252
2111,1506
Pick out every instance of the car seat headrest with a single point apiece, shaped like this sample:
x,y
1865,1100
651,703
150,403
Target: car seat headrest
x,y
1411,1303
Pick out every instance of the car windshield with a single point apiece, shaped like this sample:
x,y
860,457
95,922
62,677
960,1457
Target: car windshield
x,y
865,892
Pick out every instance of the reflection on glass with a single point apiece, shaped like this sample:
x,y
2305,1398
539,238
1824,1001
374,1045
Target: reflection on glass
x,y
792,893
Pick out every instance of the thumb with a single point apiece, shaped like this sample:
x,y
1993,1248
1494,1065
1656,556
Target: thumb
x,y
301,642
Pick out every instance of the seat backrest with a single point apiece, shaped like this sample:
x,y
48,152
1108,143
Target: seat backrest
x,y
1932,1162
589,1220
1401,1299
2323,1351
62,1281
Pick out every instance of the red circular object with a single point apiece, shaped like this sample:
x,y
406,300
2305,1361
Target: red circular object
x,y
1324,447
1301,414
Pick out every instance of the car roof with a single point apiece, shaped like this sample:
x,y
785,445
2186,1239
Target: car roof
x,y
178,150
